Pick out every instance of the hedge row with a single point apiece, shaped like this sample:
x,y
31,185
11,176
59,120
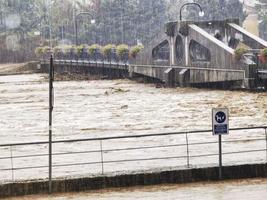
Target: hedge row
x,y
121,51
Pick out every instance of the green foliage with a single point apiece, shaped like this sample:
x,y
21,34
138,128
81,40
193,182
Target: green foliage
x,y
107,50
47,49
117,21
135,50
39,51
80,49
57,50
239,52
264,52
122,50
65,49
93,49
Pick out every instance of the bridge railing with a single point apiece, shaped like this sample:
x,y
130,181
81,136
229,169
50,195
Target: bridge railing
x,y
127,154
95,63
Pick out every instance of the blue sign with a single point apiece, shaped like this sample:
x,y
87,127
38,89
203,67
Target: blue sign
x,y
220,124
220,129
220,117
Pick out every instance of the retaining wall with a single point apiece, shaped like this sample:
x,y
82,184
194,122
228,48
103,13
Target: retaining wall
x,y
138,179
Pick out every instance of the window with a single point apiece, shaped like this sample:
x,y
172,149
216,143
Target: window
x,y
162,51
179,49
198,52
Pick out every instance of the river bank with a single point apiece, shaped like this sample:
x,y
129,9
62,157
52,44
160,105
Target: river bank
x,y
248,189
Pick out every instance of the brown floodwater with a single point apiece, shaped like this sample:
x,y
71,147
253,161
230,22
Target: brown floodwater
x,y
251,189
97,108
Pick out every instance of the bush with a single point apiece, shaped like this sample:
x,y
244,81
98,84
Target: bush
x,y
66,49
239,52
264,52
39,51
47,50
107,51
263,56
71,49
122,51
136,50
57,50
93,49
81,49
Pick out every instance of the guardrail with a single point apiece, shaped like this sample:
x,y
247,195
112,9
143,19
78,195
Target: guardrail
x,y
85,61
124,154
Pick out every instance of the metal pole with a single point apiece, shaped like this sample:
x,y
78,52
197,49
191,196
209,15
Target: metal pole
x,y
186,4
187,150
220,157
51,102
12,164
266,141
76,24
102,159
76,31
50,25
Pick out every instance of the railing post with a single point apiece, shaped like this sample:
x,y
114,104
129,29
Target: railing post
x,y
220,157
187,150
102,159
266,142
12,164
51,106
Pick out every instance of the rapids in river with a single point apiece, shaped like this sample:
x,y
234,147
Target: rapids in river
x,y
98,108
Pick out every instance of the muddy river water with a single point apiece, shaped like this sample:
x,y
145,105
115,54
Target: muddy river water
x,y
253,189
97,108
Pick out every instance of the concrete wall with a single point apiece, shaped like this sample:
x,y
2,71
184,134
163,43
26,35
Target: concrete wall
x,y
138,179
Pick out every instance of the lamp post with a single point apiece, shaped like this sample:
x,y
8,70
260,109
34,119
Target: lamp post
x,y
76,23
51,2
201,13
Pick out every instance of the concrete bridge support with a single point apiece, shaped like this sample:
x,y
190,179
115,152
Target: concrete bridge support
x,y
169,77
184,78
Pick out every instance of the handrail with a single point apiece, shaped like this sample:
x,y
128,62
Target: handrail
x,y
127,136
151,66
101,156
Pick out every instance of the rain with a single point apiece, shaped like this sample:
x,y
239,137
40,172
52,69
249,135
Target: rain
x,y
126,68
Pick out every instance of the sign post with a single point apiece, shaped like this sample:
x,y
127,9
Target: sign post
x,y
51,106
220,126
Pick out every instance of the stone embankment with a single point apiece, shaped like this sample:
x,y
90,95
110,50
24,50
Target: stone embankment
x,y
18,68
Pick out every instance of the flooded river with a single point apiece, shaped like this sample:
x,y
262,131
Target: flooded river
x,y
86,109
106,108
253,189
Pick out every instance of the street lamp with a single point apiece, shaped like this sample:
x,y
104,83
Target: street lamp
x,y
201,13
50,4
76,23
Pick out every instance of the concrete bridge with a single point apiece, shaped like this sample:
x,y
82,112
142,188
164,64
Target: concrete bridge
x,y
201,53
188,53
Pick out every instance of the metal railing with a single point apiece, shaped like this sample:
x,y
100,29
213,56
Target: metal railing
x,y
118,154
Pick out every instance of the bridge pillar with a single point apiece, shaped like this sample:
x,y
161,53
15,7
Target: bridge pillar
x,y
131,72
184,77
250,77
169,77
172,51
